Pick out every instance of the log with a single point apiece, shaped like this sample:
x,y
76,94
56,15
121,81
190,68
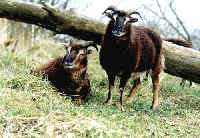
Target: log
x,y
182,62
179,61
61,22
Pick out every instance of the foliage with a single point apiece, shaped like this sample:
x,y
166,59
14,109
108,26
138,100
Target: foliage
x,y
31,107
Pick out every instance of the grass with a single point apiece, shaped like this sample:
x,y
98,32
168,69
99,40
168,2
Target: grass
x,y
30,107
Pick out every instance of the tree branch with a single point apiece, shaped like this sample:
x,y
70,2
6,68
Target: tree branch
x,y
171,24
163,17
180,22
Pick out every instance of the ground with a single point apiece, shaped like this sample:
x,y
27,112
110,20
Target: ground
x,y
31,107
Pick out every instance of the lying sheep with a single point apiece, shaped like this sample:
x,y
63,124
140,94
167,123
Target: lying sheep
x,y
69,73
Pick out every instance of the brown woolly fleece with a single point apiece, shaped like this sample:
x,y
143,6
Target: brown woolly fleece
x,y
68,81
139,50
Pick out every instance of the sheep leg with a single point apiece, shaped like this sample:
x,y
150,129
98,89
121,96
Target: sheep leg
x,y
183,82
147,75
133,91
77,100
155,81
190,83
111,79
122,85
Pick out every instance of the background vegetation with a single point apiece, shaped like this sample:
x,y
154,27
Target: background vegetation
x,y
30,107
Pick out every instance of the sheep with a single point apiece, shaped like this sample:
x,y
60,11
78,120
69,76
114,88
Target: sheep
x,y
180,43
128,51
68,74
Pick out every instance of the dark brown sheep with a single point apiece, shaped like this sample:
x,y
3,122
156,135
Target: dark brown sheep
x,y
184,44
128,51
69,73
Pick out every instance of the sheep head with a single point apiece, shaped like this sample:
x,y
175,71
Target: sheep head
x,y
120,18
76,54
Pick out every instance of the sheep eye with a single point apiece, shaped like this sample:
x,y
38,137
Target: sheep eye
x,y
81,55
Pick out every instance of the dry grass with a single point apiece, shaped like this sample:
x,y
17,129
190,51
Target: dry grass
x,y
30,107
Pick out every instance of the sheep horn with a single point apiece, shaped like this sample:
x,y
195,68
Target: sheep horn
x,y
134,12
90,43
112,8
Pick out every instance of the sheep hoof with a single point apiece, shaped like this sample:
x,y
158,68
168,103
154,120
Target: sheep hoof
x,y
121,108
77,101
108,102
128,100
153,107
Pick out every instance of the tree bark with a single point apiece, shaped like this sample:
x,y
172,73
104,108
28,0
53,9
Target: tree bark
x,y
179,61
52,19
182,62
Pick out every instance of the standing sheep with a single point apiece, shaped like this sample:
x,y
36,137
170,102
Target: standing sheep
x,y
69,73
128,51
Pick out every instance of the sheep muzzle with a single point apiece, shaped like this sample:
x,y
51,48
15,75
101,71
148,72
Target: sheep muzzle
x,y
118,29
68,63
69,60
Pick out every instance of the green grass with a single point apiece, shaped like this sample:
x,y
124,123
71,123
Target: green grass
x,y
30,107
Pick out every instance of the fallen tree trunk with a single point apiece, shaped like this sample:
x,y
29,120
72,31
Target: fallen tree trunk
x,y
45,16
180,61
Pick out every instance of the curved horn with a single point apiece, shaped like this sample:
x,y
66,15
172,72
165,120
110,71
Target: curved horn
x,y
112,8
90,43
134,12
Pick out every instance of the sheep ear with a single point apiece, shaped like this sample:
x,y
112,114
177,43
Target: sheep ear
x,y
68,44
64,44
89,51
